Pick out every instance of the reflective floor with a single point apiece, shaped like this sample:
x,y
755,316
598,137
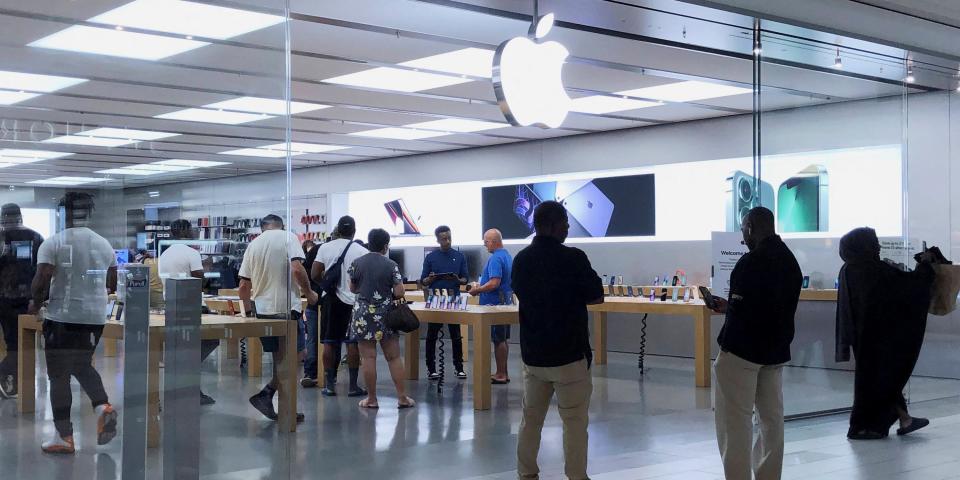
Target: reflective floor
x,y
660,427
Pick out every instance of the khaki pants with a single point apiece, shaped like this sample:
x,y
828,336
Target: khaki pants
x,y
573,385
743,386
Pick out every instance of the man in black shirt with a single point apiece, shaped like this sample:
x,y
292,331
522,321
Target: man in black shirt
x,y
554,284
755,343
18,264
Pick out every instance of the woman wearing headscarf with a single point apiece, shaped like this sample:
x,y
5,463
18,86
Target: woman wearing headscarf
x,y
881,317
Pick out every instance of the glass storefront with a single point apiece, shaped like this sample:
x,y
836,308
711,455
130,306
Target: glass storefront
x,y
153,126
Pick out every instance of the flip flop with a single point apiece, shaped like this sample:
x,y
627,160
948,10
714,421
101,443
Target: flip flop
x,y
401,406
363,404
497,381
916,424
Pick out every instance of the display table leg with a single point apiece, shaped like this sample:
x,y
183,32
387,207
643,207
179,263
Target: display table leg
x,y
287,398
233,347
481,366
255,357
702,343
411,353
110,347
600,338
27,369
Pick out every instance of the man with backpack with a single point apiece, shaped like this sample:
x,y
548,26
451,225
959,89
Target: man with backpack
x,y
336,306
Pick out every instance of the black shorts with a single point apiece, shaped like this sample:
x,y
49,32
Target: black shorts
x,y
335,317
272,344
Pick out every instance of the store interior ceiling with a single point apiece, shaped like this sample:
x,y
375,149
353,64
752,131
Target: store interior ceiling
x,y
131,94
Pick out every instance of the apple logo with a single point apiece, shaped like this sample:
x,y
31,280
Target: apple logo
x,y
527,78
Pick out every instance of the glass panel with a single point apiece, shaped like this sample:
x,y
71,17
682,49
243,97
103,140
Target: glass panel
x,y
838,130
148,117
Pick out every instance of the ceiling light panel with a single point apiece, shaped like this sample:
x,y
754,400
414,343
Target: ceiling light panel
x,y
187,18
89,141
116,43
212,116
257,152
126,133
457,125
600,104
689,91
17,156
386,78
300,147
9,97
129,171
67,181
397,133
32,82
265,105
190,163
475,62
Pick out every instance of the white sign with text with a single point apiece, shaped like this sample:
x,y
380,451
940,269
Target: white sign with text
x,y
726,248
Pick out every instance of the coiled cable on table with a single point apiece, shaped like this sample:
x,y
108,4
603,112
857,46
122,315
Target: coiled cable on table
x,y
643,343
442,358
243,352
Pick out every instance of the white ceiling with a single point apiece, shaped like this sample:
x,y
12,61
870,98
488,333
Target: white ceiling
x,y
337,37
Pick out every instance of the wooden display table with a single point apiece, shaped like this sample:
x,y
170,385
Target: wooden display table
x,y
816,295
417,296
212,327
481,318
642,305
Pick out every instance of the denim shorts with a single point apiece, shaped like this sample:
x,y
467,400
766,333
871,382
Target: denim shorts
x,y
499,333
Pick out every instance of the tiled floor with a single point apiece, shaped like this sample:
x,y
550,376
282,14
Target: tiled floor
x,y
659,427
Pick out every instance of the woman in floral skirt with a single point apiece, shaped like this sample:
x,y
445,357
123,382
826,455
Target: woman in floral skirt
x,y
377,282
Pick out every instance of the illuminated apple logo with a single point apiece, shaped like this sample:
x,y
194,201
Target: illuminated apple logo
x,y
527,79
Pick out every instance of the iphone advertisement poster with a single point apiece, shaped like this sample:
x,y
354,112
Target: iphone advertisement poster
x,y
821,194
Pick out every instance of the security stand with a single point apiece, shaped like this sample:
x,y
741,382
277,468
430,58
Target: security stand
x,y
181,380
136,320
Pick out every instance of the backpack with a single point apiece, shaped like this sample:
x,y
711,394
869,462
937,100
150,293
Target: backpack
x,y
331,277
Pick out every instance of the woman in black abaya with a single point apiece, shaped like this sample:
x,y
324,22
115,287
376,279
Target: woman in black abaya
x,y
881,317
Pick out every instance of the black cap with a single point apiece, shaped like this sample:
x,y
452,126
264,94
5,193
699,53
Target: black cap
x,y
346,226
10,214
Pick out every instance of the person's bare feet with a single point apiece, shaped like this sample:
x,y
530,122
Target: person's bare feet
x,y
406,402
368,403
499,379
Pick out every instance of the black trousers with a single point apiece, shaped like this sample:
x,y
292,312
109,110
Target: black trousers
x,y
69,351
433,330
9,311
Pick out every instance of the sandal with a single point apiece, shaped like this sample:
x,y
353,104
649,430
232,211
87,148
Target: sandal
x,y
365,404
410,404
497,381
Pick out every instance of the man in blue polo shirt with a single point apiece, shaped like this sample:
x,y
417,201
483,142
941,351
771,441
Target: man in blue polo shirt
x,y
494,289
444,269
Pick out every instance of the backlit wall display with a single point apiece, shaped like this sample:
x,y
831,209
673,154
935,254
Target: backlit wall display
x,y
621,206
820,194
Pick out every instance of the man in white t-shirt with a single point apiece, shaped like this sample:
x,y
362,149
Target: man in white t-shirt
x,y
337,310
273,261
183,261
75,270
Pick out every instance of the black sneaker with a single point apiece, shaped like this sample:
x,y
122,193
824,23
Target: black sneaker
x,y
433,376
8,388
328,392
263,402
357,392
308,382
461,374
206,399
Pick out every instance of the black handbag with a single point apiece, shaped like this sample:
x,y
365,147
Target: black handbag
x,y
400,318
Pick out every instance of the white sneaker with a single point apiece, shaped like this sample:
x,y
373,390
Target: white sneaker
x,y
58,445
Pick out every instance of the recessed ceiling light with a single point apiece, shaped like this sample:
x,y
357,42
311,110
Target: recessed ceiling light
x,y
601,104
32,82
256,152
386,78
5,165
116,43
67,181
265,105
129,171
126,133
9,97
212,116
17,156
187,18
397,133
300,147
689,91
89,141
475,62
458,125
190,163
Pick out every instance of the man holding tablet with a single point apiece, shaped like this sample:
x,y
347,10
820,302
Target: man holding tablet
x,y
444,269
